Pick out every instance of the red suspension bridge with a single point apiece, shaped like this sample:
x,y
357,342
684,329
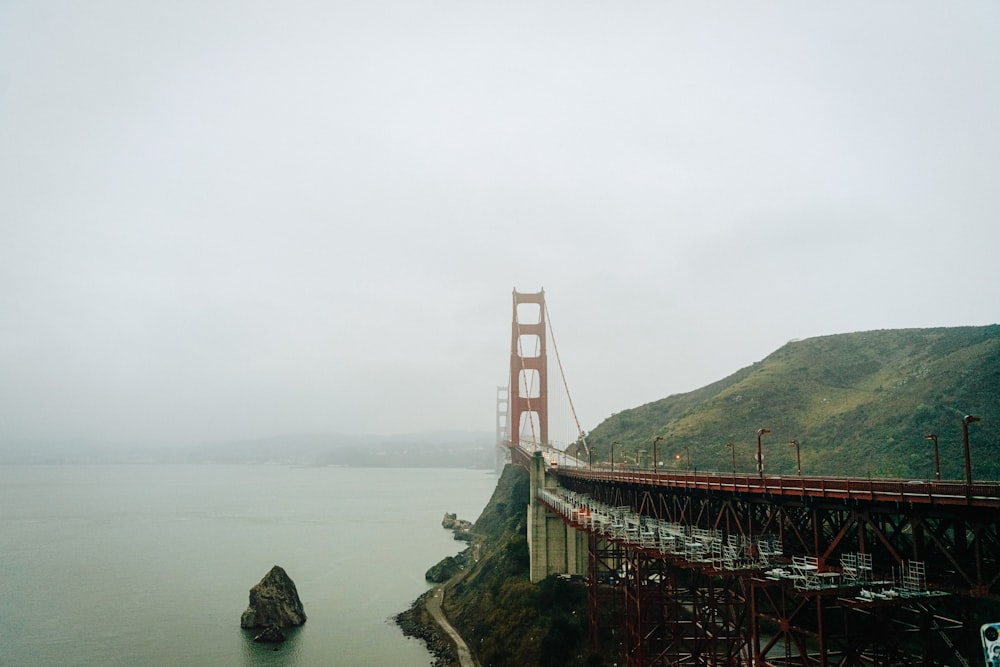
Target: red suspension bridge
x,y
747,569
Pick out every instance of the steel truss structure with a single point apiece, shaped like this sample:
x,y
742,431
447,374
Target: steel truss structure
x,y
775,579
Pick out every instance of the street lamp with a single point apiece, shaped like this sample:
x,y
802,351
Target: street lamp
x,y
968,419
937,458
798,461
732,447
613,454
657,439
760,455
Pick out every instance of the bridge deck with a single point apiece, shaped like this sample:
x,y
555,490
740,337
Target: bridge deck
x,y
983,495
762,561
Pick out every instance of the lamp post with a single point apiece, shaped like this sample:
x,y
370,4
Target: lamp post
x,y
657,439
760,455
968,419
937,457
613,454
798,461
732,448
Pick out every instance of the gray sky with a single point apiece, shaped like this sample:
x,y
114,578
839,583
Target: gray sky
x,y
221,220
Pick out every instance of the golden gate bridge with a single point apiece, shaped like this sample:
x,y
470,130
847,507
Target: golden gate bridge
x,y
746,569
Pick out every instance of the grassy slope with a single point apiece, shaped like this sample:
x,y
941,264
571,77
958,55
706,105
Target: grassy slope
x,y
858,403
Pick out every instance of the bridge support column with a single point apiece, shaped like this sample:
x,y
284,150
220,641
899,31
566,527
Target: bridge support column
x,y
553,546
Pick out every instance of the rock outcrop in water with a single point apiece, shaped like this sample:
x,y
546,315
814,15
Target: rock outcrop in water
x,y
274,602
460,527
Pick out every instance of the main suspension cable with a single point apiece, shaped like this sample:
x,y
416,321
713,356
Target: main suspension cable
x,y
562,374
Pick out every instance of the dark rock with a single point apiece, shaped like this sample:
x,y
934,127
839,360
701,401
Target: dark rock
x,y
274,602
461,528
448,567
272,635
443,571
452,522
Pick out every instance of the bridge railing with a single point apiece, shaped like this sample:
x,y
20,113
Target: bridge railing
x,y
984,494
554,457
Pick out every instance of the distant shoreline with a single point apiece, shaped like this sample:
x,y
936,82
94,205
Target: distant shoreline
x,y
432,450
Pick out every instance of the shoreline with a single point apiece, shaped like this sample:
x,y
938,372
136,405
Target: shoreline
x,y
426,619
435,606
417,622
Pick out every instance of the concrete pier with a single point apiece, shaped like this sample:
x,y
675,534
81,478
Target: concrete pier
x,y
554,547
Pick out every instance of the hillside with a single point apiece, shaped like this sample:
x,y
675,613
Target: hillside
x,y
858,403
505,619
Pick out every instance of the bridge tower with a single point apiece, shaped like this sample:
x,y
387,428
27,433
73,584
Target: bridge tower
x,y
503,428
529,383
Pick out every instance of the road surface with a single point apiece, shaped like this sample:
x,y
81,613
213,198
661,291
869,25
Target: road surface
x,y
465,657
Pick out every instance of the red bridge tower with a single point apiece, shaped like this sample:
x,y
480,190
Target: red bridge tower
x,y
529,384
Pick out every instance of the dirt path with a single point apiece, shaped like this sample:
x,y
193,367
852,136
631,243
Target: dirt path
x,y
465,657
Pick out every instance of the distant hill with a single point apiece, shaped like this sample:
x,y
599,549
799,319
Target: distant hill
x,y
858,403
446,449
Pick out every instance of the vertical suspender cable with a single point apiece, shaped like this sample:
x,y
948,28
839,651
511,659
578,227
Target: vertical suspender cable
x,y
583,438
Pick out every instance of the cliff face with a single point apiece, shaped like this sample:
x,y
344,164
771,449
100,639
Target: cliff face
x,y
274,602
505,619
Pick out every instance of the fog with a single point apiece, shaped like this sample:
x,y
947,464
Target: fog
x,y
227,220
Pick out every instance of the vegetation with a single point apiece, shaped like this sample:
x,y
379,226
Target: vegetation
x,y
505,619
858,404
502,616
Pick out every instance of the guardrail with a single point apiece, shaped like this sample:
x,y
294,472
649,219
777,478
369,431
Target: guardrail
x,y
985,494
917,492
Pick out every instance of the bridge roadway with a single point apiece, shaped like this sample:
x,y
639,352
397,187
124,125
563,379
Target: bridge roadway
x,y
857,489
848,489
791,570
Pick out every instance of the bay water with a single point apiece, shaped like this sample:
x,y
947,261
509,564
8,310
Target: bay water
x,y
152,564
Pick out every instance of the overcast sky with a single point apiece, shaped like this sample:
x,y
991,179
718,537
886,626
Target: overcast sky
x,y
234,219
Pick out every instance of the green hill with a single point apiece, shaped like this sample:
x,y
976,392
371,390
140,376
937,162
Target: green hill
x,y
859,404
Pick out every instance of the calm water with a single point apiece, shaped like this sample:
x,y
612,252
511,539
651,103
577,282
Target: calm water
x,y
151,565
